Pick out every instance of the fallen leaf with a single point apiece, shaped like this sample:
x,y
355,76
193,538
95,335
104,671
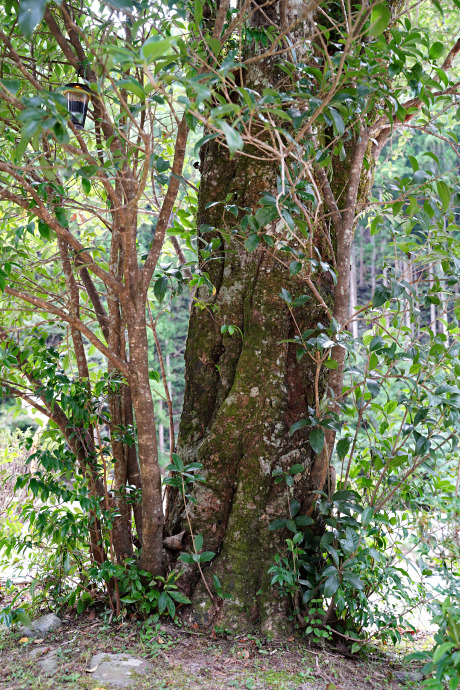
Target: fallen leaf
x,y
91,670
24,639
99,688
39,641
331,686
160,640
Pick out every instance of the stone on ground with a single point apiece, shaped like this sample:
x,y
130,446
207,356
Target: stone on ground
x,y
408,676
119,670
47,660
41,626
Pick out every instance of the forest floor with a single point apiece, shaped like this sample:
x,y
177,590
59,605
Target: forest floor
x,y
185,658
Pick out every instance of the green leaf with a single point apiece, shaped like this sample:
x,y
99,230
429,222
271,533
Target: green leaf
x,y
11,85
343,447
331,586
171,606
265,215
88,170
296,469
233,137
86,185
162,602
30,14
160,287
304,521
179,597
133,86
123,5
298,425
441,650
286,295
338,121
206,556
277,524
295,267
316,439
353,580
22,617
61,216
367,516
373,387
344,495
380,18
198,542
444,194
252,242
198,11
154,48
436,50
162,165
186,558
44,230
381,295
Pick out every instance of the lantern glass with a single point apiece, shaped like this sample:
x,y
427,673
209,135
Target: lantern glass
x,y
77,103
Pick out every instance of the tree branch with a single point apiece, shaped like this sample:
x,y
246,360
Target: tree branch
x,y
72,321
166,209
42,212
329,198
220,18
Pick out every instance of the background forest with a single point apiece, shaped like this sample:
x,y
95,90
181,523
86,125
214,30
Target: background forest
x,y
229,303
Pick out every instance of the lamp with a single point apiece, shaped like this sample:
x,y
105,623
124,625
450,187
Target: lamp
x,y
77,102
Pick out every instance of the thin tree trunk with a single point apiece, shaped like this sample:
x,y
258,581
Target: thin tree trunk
x,y
353,293
386,282
361,258
373,260
152,507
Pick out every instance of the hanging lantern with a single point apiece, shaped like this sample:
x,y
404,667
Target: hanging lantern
x,y
77,103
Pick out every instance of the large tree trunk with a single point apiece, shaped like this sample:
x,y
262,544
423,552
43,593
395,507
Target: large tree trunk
x,y
242,395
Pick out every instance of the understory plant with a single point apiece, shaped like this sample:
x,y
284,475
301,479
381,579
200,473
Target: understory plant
x,y
388,515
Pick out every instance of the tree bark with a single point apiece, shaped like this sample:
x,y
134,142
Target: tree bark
x,y
151,506
242,394
353,293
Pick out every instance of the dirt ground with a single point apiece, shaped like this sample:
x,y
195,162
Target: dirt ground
x,y
187,658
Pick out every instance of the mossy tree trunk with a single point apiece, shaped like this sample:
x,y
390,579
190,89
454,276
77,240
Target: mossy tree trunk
x,y
244,391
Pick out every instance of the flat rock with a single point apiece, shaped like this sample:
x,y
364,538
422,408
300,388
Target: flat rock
x,y
120,670
41,626
408,676
47,660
